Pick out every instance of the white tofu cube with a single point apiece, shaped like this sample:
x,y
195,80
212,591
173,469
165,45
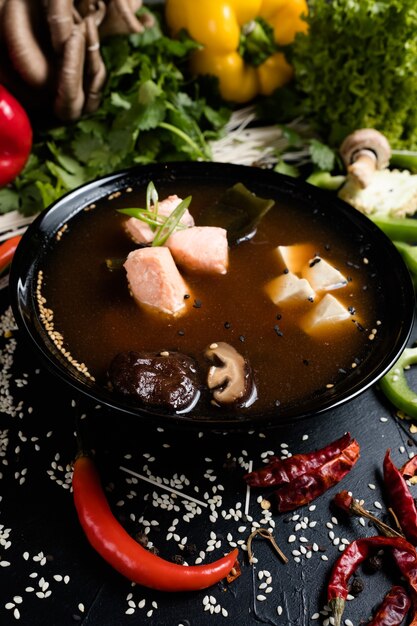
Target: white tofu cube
x,y
325,314
322,276
289,287
294,257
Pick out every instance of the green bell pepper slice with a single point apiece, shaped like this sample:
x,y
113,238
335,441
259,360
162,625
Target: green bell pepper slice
x,y
395,386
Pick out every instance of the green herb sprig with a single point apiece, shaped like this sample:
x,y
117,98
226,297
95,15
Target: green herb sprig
x,y
163,226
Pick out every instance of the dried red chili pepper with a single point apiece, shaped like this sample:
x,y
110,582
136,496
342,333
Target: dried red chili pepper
x,y
307,487
409,469
393,608
354,554
402,501
280,471
123,553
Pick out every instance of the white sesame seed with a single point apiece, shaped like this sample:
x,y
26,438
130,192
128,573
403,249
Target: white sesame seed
x,y
260,597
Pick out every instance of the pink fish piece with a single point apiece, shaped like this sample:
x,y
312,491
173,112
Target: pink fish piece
x,y
142,233
200,249
155,280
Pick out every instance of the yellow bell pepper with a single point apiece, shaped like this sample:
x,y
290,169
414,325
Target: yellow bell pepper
x,y
217,25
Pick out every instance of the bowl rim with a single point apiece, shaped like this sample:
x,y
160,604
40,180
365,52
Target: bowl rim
x,y
72,202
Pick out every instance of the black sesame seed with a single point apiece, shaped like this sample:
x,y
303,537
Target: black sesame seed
x,y
278,331
279,316
197,304
227,325
314,261
342,371
181,333
242,338
187,296
352,310
310,299
286,271
306,362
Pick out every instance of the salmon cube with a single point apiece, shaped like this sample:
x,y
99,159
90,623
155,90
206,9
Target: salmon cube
x,y
201,249
155,281
142,233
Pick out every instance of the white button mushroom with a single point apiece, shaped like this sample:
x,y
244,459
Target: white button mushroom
x,y
363,152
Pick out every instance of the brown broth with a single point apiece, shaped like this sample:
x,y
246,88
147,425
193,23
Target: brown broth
x,y
98,318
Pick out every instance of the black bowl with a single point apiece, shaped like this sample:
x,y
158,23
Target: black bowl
x,y
396,297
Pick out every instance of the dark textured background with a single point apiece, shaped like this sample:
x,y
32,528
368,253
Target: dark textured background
x,y
37,514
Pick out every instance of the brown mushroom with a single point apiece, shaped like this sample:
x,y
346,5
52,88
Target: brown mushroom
x,y
70,95
363,152
60,19
231,376
121,18
96,73
22,31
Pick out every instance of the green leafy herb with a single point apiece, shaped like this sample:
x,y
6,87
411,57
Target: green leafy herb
x,y
355,68
151,111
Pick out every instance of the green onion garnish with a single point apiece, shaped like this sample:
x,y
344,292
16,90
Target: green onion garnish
x,y
161,225
170,224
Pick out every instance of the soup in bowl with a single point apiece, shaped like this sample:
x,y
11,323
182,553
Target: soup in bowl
x,y
203,293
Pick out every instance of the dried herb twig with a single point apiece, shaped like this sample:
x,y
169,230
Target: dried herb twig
x,y
266,534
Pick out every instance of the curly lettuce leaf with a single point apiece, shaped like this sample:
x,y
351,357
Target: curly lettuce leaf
x,y
356,67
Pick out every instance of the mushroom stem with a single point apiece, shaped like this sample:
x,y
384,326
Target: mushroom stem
x,y
19,30
96,69
70,97
60,20
363,167
363,152
121,18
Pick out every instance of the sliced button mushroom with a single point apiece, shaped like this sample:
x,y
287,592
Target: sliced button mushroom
x,y
363,152
230,377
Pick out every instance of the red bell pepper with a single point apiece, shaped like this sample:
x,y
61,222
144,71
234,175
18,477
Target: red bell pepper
x,y
15,137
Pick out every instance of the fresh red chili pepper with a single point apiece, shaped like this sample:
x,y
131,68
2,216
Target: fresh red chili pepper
x,y
15,137
279,471
354,554
7,250
393,608
123,553
409,469
307,487
402,501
